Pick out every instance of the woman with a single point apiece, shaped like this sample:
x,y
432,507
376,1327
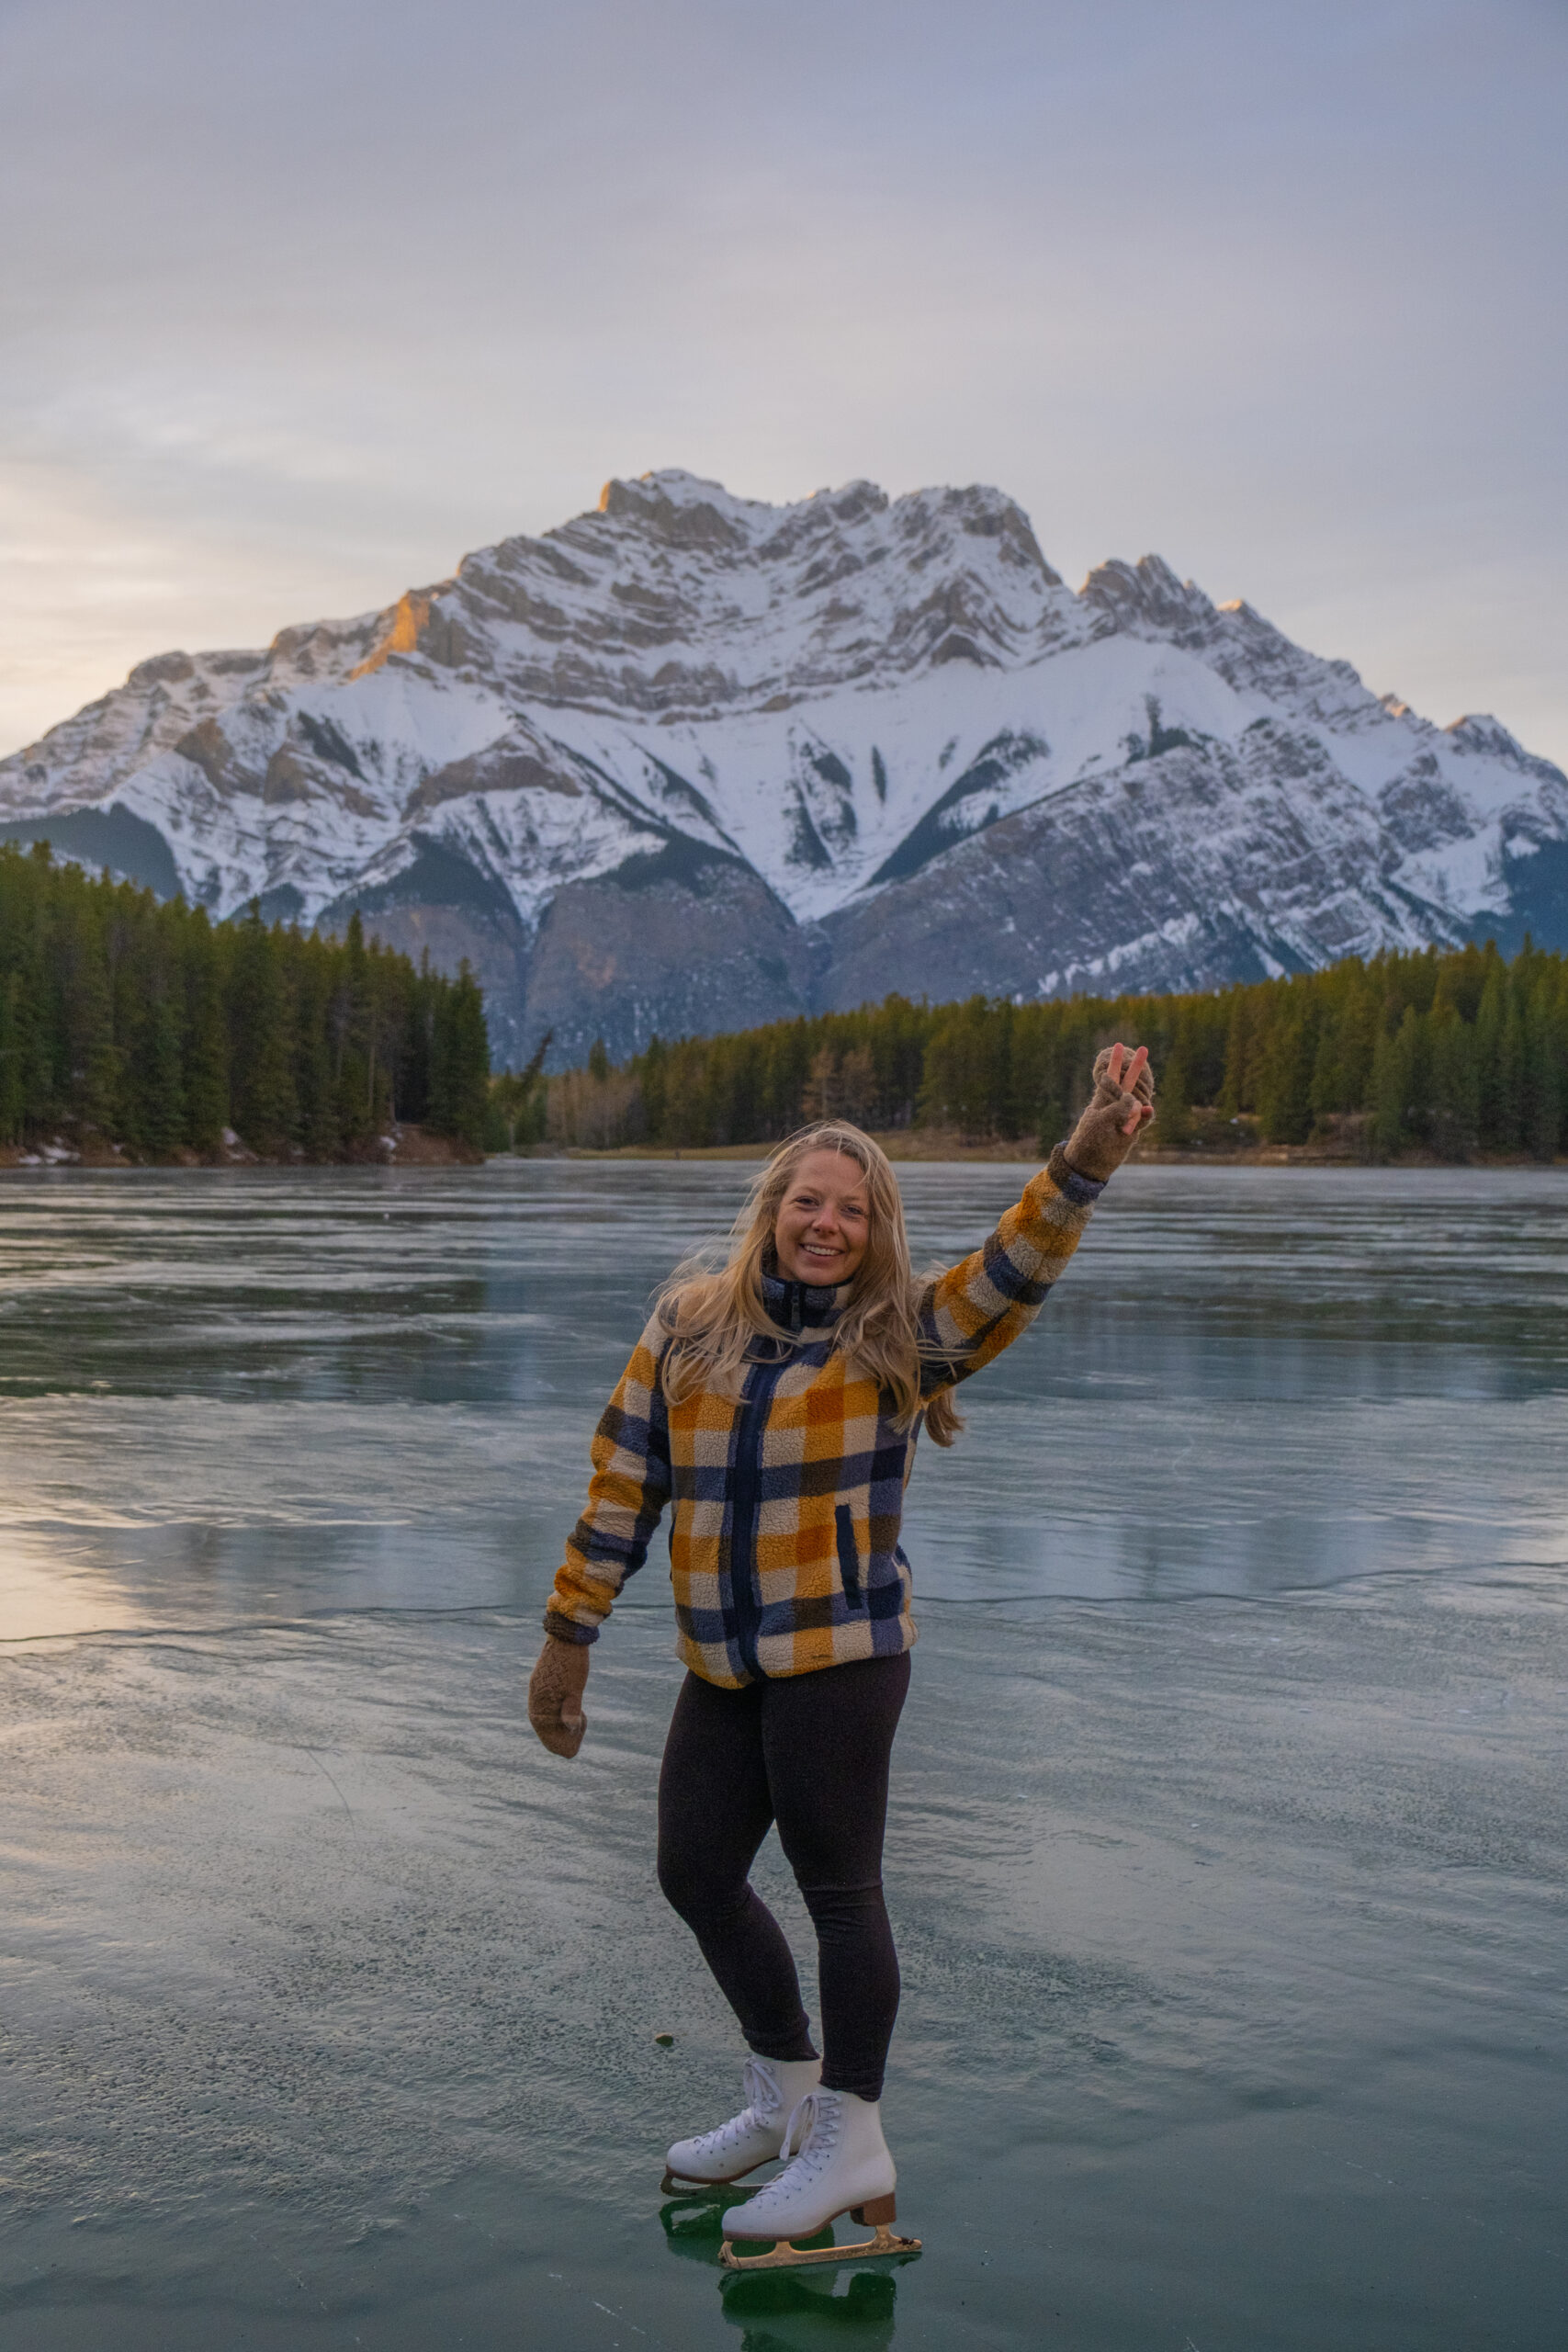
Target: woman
x,y
777,1403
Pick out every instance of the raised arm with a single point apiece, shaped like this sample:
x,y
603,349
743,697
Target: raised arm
x,y
978,1307
626,1496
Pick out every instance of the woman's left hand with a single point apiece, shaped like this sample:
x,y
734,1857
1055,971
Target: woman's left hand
x,y
1123,1103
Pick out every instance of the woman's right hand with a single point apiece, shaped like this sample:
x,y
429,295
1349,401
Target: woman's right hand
x,y
555,1695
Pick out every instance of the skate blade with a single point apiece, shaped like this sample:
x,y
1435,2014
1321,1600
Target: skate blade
x,y
680,2184
785,2257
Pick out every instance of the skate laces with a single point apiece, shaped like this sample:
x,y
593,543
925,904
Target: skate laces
x,y
763,2099
762,2088
811,2134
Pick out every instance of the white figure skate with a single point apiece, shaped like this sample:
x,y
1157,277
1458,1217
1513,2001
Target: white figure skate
x,y
714,2159
842,2164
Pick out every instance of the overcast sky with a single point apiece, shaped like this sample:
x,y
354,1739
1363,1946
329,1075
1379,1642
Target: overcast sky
x,y
303,301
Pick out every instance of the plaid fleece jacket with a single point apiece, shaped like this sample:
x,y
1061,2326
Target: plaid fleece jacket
x,y
787,1500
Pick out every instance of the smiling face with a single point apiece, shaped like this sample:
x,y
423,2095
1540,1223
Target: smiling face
x,y
824,1221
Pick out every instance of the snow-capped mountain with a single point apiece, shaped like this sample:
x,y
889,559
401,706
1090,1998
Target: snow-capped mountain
x,y
693,762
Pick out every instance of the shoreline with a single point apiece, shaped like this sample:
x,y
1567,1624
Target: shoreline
x,y
902,1147
400,1147
415,1148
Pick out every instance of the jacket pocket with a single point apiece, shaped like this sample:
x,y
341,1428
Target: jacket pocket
x,y
849,1558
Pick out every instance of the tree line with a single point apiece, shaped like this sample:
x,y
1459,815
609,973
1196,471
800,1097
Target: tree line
x,y
141,1023
1453,1053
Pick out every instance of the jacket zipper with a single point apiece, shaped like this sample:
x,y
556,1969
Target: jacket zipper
x,y
746,1489
746,1504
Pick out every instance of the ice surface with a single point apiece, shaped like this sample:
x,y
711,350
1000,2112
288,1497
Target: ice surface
x,y
1228,1845
374,1388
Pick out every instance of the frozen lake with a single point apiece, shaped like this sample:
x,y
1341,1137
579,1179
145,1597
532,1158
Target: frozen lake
x,y
1228,1847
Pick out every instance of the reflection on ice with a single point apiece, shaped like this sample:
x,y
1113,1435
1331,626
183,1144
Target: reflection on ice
x,y
52,1585
1232,1948
1249,1381
810,2311
1227,1848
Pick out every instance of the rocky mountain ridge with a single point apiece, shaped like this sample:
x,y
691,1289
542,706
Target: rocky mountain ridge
x,y
694,761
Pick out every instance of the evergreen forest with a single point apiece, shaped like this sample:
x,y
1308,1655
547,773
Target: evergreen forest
x,y
128,1021
1449,1055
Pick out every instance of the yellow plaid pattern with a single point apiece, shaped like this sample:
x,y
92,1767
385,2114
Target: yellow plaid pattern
x,y
786,1510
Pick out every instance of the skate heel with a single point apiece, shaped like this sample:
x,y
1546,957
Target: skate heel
x,y
876,2213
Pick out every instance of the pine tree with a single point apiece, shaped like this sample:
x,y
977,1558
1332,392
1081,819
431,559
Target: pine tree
x,y
1284,1098
319,1136
651,1075
163,1120
1514,1083
12,1074
1455,1091
418,1044
206,1036
1173,1112
261,1027
1394,1067
92,1063
968,1069
1493,1110
1543,1117
349,1017
1236,1093
463,1062
25,925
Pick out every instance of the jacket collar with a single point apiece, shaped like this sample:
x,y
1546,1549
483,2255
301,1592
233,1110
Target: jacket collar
x,y
799,1307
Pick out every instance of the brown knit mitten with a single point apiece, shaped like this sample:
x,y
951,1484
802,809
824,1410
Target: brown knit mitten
x,y
555,1695
1123,1101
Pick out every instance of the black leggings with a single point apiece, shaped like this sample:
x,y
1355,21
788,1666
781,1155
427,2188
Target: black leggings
x,y
810,1752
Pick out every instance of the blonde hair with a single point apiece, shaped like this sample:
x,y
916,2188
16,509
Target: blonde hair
x,y
716,1315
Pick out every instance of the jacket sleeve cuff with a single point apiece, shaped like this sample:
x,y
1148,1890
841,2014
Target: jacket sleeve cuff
x,y
1082,1190
566,1629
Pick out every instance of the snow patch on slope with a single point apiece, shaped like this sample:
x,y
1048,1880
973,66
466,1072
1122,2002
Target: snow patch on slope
x,y
860,699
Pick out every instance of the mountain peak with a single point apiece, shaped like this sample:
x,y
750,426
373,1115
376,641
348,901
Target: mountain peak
x,y
1477,731
674,485
683,508
678,597
692,760
1147,597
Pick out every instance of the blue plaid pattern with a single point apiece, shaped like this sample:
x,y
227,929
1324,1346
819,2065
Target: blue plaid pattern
x,y
788,1501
